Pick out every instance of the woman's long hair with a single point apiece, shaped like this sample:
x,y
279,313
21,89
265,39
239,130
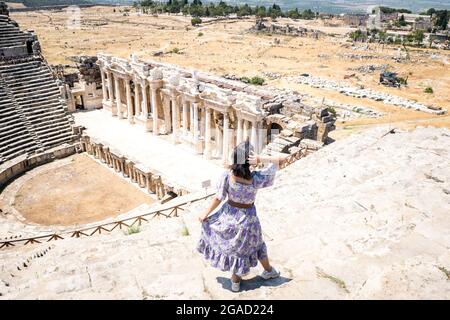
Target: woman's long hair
x,y
240,166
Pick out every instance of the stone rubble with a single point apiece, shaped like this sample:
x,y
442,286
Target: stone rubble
x,y
370,68
347,90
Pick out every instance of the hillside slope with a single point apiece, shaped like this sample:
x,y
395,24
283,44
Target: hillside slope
x,y
366,217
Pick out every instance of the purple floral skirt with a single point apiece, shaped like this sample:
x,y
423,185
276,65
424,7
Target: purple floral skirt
x,y
231,239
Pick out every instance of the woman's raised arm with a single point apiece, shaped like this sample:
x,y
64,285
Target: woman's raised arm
x,y
256,159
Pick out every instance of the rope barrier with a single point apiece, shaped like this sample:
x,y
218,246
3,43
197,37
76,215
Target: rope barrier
x,y
167,210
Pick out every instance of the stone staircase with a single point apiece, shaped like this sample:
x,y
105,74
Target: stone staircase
x,y
11,35
158,262
32,113
15,138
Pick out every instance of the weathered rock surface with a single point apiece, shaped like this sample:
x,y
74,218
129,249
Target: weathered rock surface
x,y
347,90
365,217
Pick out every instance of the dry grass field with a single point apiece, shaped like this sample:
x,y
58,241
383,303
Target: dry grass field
x,y
79,192
226,46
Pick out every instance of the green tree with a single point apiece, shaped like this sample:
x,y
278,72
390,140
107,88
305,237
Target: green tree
x,y
418,36
308,14
441,19
261,12
196,21
293,14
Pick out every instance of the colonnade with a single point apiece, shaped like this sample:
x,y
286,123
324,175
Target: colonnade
x,y
152,181
164,108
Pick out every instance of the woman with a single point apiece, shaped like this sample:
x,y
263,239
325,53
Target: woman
x,y
231,239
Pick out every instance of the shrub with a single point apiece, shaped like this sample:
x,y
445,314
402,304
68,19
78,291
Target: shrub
x,y
200,34
428,90
185,231
196,21
133,229
332,111
403,81
257,81
175,50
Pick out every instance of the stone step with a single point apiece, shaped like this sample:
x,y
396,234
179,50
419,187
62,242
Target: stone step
x,y
40,102
19,69
32,83
57,140
21,73
39,113
17,145
14,37
7,110
7,121
9,141
7,132
25,148
55,125
27,88
42,94
20,66
45,129
21,78
44,107
11,43
8,30
48,118
31,111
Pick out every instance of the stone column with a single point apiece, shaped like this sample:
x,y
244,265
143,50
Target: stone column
x,y
104,91
207,151
129,104
195,114
167,117
202,122
175,110
261,137
239,131
254,136
118,97
245,130
185,118
226,139
191,121
137,100
110,88
219,147
155,110
232,139
144,102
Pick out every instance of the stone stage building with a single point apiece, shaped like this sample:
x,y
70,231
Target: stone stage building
x,y
209,113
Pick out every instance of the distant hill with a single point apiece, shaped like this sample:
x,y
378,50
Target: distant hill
x,y
43,3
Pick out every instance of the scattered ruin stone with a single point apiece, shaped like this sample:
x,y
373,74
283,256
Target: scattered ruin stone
x,y
390,79
345,89
263,26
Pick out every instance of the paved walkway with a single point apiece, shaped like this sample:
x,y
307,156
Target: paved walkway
x,y
178,163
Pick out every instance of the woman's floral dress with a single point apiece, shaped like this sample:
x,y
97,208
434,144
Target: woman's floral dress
x,y
231,239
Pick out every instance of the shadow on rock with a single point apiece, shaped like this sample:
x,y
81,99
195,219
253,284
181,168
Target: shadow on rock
x,y
253,283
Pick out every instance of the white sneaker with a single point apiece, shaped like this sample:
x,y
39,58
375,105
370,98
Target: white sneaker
x,y
235,286
274,273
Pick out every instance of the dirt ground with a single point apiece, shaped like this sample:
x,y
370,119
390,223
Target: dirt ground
x,y
222,47
80,192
